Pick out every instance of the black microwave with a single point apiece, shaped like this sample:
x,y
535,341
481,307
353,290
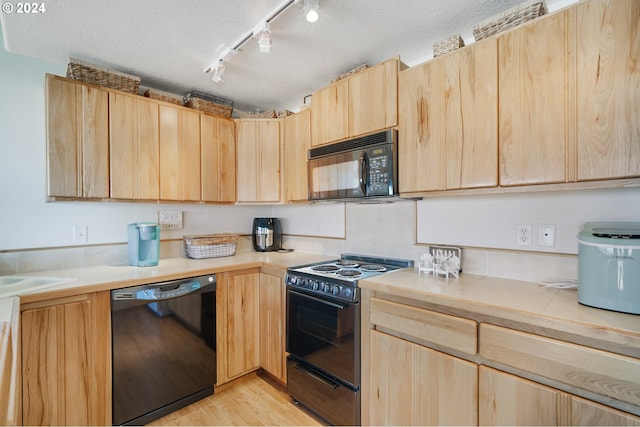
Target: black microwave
x,y
359,168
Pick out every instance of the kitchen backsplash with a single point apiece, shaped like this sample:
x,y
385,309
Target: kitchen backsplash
x,y
534,267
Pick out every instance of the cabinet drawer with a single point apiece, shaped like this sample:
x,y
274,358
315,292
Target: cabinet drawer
x,y
448,331
598,371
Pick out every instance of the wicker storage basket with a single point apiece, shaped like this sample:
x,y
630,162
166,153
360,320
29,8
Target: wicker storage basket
x,y
284,113
350,73
510,18
447,45
271,114
210,245
164,96
209,103
89,73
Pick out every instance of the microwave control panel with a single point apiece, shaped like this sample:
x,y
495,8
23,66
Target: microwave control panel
x,y
380,181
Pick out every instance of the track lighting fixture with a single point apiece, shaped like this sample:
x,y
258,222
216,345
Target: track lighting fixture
x,y
218,72
311,10
262,32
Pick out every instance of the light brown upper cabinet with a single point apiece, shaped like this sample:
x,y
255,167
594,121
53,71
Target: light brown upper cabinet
x,y
608,80
536,114
134,147
218,159
297,140
330,113
77,139
356,105
448,121
258,172
179,153
373,99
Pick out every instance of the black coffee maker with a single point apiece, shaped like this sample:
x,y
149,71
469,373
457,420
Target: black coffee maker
x,y
267,234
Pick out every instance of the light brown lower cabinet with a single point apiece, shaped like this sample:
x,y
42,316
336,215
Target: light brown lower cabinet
x,y
237,324
415,385
66,361
272,323
506,399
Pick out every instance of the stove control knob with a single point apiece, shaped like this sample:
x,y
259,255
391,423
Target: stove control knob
x,y
335,290
348,293
303,283
314,285
325,287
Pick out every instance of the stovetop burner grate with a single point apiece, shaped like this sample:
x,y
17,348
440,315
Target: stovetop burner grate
x,y
373,267
347,263
349,273
326,268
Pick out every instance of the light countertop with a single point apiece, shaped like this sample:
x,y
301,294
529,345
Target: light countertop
x,y
107,277
525,306
521,305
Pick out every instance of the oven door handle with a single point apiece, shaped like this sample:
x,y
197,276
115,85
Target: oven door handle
x,y
322,301
321,379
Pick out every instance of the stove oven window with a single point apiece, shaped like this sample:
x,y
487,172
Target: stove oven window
x,y
321,332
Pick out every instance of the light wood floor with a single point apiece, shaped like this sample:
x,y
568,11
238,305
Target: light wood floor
x,y
249,401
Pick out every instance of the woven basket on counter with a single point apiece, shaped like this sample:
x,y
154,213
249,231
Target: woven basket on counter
x,y
210,245
209,103
89,73
164,96
510,18
447,45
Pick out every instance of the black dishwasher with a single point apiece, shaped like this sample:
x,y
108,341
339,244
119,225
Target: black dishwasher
x,y
163,347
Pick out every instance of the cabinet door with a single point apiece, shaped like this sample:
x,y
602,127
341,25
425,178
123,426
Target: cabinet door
x,y
608,58
509,400
218,150
373,99
585,412
258,174
330,114
469,88
420,152
243,327
506,399
414,385
179,154
272,315
297,141
133,148
77,140
536,112
66,356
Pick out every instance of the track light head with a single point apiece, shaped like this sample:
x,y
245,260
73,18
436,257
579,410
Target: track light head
x,y
311,10
218,72
262,32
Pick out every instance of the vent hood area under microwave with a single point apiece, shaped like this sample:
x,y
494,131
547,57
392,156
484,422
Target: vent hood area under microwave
x,y
363,169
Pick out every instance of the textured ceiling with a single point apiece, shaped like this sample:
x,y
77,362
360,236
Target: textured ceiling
x,y
169,43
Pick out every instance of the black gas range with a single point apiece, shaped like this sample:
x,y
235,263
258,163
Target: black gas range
x,y
338,279
323,333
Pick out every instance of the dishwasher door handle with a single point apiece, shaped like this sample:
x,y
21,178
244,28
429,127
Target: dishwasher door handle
x,y
163,291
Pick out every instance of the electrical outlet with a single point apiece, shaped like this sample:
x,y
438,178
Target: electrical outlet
x,y
547,235
523,235
80,234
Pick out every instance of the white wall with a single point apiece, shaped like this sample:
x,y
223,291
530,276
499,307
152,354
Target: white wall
x,y
491,220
